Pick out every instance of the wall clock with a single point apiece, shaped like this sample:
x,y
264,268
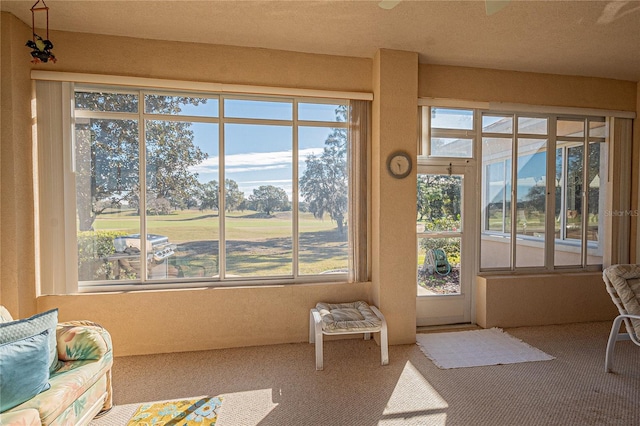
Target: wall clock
x,y
399,164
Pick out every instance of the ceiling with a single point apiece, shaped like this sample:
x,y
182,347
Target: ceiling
x,y
588,38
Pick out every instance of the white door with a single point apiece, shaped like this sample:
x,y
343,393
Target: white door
x,y
445,236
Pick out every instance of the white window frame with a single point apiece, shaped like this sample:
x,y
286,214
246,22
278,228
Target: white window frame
x,y
516,110
220,120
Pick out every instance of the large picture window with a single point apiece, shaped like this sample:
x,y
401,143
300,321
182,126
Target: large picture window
x,y
183,187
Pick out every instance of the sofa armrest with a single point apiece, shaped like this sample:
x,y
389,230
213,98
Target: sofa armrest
x,y
82,340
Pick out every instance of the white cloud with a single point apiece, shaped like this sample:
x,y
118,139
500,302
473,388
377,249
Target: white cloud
x,y
254,161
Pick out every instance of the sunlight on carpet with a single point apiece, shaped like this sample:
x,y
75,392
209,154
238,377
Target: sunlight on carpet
x,y
428,408
477,348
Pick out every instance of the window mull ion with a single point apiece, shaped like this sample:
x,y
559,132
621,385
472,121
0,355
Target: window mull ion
x,y
41,49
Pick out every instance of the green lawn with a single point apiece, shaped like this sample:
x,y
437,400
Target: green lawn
x,y
257,245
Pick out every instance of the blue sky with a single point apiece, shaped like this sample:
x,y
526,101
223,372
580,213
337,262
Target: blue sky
x,y
257,154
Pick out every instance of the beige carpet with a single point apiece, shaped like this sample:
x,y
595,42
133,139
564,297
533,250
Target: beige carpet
x,y
475,348
278,385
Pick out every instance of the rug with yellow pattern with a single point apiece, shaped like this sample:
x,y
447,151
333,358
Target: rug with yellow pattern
x,y
199,411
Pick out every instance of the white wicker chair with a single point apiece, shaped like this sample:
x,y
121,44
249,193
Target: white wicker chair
x,y
623,285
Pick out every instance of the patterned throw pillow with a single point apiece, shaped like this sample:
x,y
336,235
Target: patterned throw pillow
x,y
16,330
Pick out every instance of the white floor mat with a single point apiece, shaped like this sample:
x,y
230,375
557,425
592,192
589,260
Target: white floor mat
x,y
476,348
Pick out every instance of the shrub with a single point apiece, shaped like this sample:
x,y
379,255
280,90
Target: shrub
x,y
93,248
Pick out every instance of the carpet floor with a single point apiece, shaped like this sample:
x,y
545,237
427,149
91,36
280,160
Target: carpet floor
x,y
278,385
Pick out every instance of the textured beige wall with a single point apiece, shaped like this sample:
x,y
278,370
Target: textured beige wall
x,y
514,301
17,247
206,318
97,54
395,87
485,85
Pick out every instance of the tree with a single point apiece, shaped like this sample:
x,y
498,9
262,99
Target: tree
x,y
324,184
208,194
438,197
233,197
269,198
107,155
170,155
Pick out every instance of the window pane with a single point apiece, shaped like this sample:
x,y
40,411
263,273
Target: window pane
x,y
444,118
598,129
107,194
497,124
532,125
438,266
597,200
574,128
181,105
240,108
451,147
106,102
182,199
495,241
322,112
259,234
497,213
324,201
531,202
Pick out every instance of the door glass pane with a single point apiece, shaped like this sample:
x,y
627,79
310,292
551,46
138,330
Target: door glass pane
x,y
439,203
439,209
439,266
323,201
495,237
182,199
259,233
107,195
531,202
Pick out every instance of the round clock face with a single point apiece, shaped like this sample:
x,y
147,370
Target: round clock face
x,y
399,165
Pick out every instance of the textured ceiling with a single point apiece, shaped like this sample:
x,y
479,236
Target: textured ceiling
x,y
589,38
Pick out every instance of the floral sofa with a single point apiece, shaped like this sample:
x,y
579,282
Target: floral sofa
x,y
79,375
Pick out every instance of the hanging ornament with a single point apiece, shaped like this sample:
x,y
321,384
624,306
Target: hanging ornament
x,y
40,48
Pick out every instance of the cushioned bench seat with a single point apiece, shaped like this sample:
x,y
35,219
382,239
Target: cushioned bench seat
x,y
346,318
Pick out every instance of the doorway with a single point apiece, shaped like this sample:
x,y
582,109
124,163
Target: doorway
x,y
445,244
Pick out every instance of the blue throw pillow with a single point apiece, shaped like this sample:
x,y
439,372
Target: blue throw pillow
x,y
15,330
24,369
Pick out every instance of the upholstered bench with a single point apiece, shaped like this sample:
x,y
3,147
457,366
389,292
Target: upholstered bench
x,y
346,318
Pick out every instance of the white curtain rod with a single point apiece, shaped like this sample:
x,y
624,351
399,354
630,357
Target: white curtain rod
x,y
525,108
115,80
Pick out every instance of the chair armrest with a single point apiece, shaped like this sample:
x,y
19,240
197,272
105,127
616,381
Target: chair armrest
x,y
82,340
